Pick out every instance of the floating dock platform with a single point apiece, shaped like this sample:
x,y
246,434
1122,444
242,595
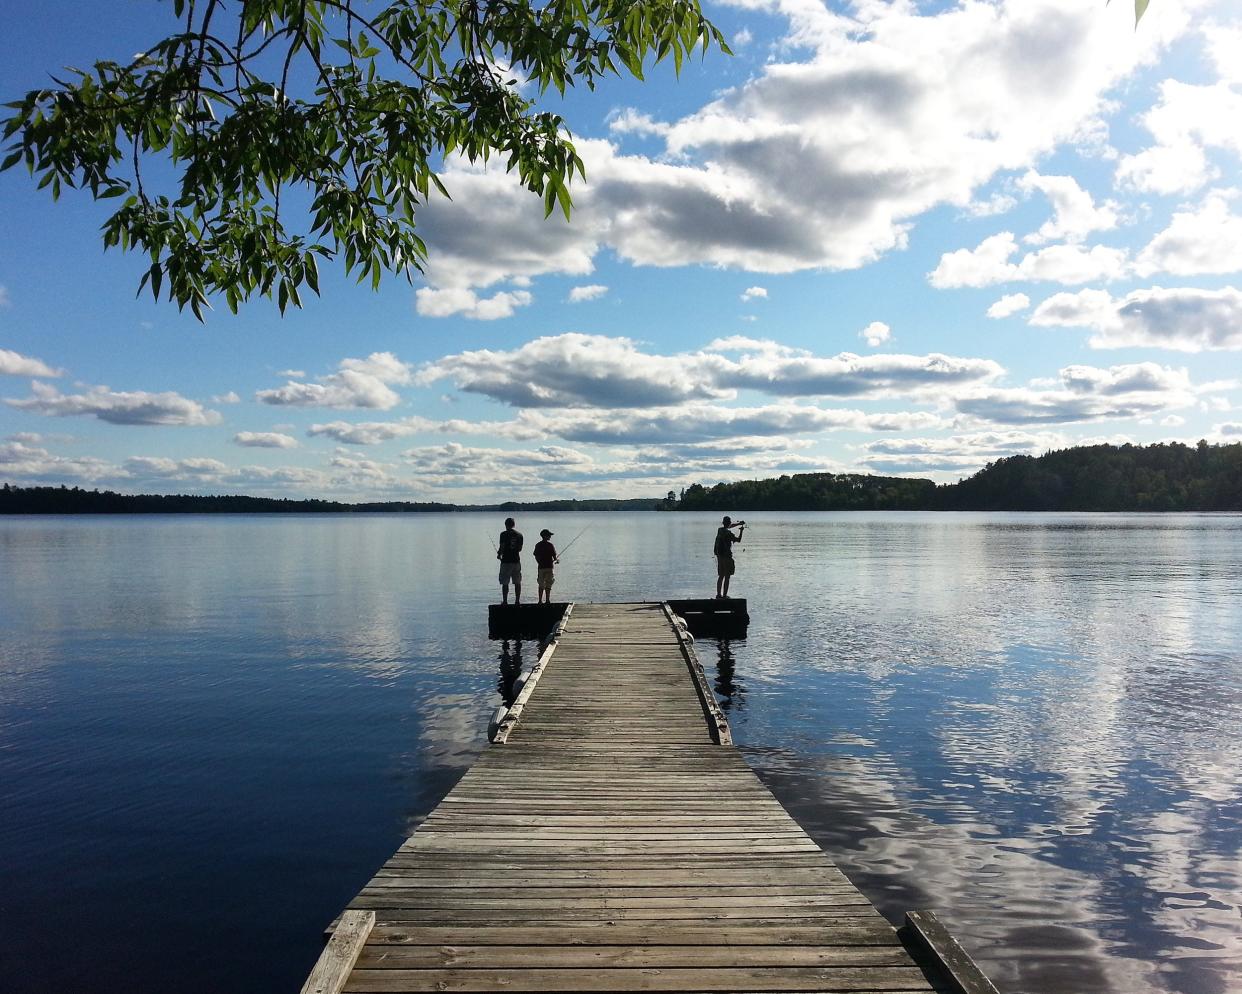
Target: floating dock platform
x,y
704,617
611,839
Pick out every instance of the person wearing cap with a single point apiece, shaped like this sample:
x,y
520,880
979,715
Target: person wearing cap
x,y
509,552
723,551
545,558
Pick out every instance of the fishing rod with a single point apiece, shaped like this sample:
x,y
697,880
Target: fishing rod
x,y
561,554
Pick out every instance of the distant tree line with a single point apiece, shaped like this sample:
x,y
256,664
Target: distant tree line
x,y
75,500
1163,477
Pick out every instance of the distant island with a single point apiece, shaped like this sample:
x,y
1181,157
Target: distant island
x,y
1162,477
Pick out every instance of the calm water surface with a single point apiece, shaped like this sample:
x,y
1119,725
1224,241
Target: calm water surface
x,y
213,729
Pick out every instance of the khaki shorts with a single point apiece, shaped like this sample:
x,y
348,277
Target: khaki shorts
x,y
724,566
546,579
510,573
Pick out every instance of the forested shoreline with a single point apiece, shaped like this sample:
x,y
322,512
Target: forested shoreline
x,y
1162,477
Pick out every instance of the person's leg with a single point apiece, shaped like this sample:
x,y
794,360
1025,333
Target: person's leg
x,y
504,593
725,588
517,590
719,581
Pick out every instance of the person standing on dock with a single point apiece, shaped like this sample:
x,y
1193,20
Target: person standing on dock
x,y
545,558
723,551
509,552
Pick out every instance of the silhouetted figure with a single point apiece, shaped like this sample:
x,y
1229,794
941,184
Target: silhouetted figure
x,y
723,551
545,558
508,551
510,670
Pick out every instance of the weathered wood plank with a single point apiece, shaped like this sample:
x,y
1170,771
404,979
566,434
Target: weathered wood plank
x,y
340,954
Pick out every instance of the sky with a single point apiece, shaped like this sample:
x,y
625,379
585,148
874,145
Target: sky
x,y
881,237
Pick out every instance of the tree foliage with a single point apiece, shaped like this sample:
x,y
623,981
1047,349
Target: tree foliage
x,y
347,108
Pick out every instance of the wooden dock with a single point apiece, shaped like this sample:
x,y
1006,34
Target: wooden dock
x,y
612,840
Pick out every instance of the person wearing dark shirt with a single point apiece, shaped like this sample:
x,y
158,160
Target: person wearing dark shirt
x,y
545,558
723,551
508,551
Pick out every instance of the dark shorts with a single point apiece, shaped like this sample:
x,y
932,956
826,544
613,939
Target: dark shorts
x,y
510,573
724,566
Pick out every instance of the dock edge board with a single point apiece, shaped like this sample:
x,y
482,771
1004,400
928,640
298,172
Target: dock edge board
x,y
923,932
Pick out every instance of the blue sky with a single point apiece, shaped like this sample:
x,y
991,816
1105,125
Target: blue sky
x,y
882,237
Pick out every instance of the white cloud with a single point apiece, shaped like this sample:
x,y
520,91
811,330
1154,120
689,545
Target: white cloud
x,y
1184,319
265,440
576,370
15,364
1187,119
226,398
821,164
18,459
117,407
357,383
1229,430
1084,393
148,467
963,453
876,334
437,303
631,121
592,291
754,293
1203,240
1009,304
1075,214
292,374
989,263
5,299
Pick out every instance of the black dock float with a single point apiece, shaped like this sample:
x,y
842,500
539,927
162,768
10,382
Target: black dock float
x,y
523,621
711,618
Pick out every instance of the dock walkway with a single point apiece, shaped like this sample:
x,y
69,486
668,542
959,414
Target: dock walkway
x,y
610,844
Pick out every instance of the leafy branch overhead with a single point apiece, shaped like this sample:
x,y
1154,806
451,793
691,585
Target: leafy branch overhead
x,y
265,135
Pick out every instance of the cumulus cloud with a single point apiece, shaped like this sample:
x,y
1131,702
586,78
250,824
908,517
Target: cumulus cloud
x,y
989,263
876,334
1199,241
754,293
964,453
592,291
697,423
1186,120
117,407
1229,430
15,364
20,460
1185,319
444,303
265,440
816,164
1084,393
357,383
1009,304
1075,214
159,466
226,398
576,370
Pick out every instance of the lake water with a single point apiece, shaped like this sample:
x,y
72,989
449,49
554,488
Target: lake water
x,y
213,728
